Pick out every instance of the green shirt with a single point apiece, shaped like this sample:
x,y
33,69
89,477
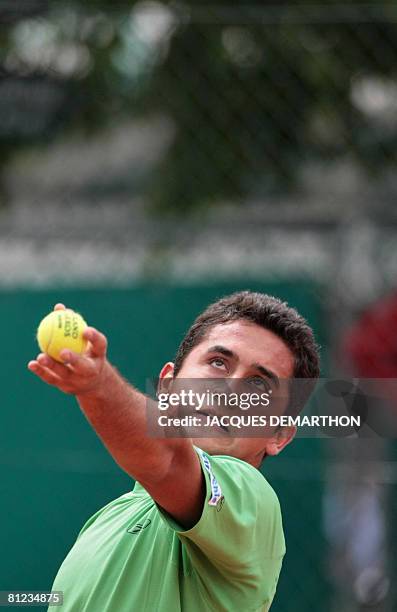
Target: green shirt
x,y
131,556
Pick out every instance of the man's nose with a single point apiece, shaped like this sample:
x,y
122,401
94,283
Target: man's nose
x,y
235,383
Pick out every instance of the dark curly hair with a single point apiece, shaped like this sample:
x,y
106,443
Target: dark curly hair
x,y
274,315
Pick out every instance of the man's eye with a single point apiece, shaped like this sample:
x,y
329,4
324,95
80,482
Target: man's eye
x,y
259,382
217,362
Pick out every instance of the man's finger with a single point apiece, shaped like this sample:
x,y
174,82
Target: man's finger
x,y
59,307
49,377
98,341
79,364
59,369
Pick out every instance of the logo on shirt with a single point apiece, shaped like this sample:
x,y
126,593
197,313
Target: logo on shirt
x,y
135,529
216,491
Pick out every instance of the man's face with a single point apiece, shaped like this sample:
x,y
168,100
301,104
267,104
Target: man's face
x,y
239,350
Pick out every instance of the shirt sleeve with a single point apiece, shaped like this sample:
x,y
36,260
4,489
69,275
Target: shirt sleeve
x,y
240,530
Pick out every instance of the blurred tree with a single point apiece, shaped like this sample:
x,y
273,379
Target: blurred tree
x,y
253,92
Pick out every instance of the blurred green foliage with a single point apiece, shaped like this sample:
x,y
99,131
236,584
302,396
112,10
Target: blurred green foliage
x,y
253,92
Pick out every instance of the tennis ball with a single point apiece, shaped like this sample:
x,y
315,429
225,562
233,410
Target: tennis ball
x,y
61,329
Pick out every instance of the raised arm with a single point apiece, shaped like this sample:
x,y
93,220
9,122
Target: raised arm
x,y
169,469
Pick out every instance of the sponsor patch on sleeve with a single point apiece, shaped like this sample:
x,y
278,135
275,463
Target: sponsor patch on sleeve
x,y
216,491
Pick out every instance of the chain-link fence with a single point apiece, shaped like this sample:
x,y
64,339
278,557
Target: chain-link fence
x,y
194,143
280,120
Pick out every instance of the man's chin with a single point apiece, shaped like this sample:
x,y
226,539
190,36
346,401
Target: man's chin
x,y
214,445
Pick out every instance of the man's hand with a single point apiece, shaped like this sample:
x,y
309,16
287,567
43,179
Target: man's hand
x,y
78,374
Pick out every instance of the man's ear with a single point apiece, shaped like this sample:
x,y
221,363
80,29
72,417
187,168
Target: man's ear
x,y
166,377
281,438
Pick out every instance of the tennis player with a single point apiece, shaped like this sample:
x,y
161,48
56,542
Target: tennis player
x,y
201,530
